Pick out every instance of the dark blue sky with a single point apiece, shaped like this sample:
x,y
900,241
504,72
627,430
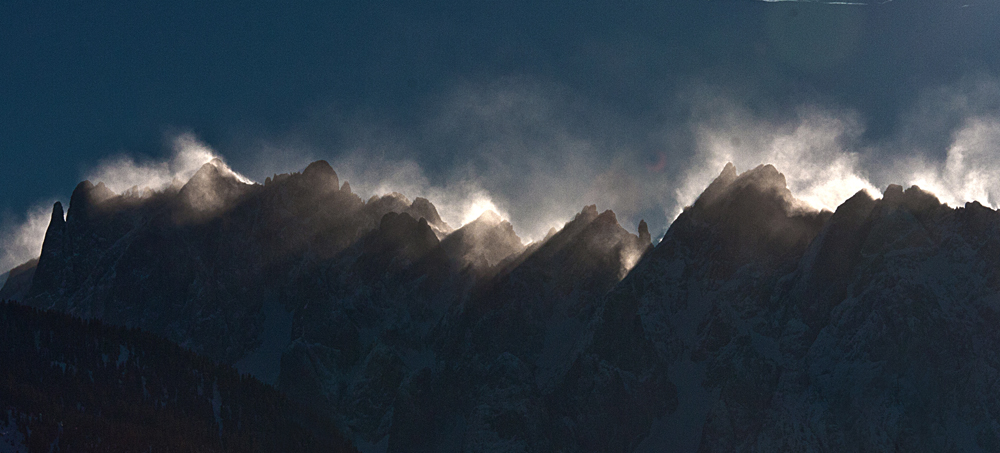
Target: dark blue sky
x,y
410,81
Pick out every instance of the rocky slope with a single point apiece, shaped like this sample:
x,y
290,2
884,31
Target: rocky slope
x,y
84,386
755,324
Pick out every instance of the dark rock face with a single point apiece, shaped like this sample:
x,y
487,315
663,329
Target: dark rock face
x,y
806,342
755,324
18,281
196,265
73,385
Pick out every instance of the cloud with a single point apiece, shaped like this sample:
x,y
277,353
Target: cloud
x,y
536,152
817,151
21,238
458,201
947,144
123,172
530,150
969,172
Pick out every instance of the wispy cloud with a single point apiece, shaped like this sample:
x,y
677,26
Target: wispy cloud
x,y
816,151
946,144
537,152
21,237
123,172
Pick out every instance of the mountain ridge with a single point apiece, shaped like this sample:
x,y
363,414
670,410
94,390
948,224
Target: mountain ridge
x,y
418,337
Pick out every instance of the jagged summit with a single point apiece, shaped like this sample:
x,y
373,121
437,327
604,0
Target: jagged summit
x,y
751,217
86,194
489,217
402,232
723,337
587,214
644,235
422,208
319,168
321,177
212,187
58,217
913,199
484,242
764,182
594,244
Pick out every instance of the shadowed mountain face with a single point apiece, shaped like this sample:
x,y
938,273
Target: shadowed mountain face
x,y
84,386
754,324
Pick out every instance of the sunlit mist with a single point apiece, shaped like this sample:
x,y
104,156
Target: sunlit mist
x,y
477,208
21,241
122,173
818,168
969,173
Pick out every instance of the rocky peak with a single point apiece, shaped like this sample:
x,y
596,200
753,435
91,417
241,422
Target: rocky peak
x,y
401,232
489,217
54,233
593,247
58,218
391,202
423,208
212,187
831,258
588,214
86,196
914,199
210,171
854,209
763,184
484,242
751,217
320,176
644,235
718,185
552,232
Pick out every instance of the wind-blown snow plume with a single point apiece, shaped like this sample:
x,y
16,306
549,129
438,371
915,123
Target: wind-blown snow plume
x,y
530,151
813,153
535,153
122,173
21,241
946,144
458,202
950,140
970,170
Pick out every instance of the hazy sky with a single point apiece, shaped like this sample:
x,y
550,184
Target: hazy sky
x,y
535,107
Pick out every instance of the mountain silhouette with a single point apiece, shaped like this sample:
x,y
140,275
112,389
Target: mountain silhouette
x,y
755,324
